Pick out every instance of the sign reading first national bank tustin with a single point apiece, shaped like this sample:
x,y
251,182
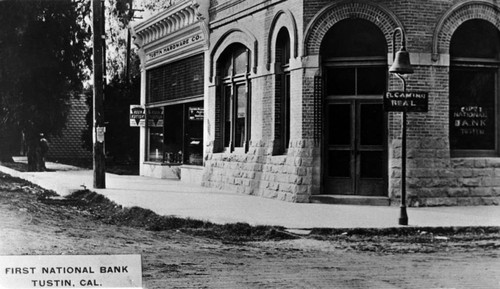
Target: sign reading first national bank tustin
x,y
412,101
174,46
71,271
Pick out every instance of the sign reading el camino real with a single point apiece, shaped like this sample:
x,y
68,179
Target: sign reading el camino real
x,y
411,101
174,46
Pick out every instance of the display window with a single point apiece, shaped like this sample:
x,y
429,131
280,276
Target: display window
x,y
180,140
474,103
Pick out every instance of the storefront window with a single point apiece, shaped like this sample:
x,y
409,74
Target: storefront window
x,y
175,92
173,134
155,144
180,141
474,101
194,133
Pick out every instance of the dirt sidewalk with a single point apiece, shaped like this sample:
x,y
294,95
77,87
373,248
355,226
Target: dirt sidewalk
x,y
194,258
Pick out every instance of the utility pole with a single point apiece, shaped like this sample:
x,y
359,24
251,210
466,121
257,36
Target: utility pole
x,y
98,99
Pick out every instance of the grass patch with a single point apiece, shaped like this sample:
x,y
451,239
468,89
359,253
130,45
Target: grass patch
x,y
109,212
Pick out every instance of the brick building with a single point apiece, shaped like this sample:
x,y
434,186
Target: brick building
x,y
293,97
68,146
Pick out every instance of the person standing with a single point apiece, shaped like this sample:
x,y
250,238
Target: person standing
x,y
43,145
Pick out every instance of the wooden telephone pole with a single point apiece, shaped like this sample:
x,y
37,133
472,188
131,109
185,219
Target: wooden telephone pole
x,y
98,99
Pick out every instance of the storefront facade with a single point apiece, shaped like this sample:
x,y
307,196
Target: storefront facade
x,y
293,101
172,46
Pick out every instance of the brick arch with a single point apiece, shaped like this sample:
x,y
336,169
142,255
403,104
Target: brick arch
x,y
456,16
340,10
282,19
228,38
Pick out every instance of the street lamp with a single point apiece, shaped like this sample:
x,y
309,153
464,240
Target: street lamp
x,y
401,66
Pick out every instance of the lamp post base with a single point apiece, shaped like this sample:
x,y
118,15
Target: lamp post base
x,y
403,216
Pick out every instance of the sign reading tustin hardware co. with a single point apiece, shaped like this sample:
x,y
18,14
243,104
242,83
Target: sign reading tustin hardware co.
x,y
412,101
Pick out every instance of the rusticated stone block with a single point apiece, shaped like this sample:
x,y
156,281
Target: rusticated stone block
x,y
269,194
458,192
439,202
490,182
493,162
490,201
485,172
302,198
481,192
463,173
462,163
442,154
480,163
469,182
429,193
420,173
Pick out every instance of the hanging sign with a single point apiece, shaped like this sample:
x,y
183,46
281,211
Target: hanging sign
x,y
196,113
411,101
137,115
155,117
100,130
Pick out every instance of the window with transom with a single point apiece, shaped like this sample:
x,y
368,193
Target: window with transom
x,y
234,72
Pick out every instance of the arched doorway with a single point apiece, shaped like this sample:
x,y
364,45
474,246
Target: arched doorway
x,y
354,60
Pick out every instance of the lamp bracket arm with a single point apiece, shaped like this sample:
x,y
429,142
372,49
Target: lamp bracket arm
x,y
403,40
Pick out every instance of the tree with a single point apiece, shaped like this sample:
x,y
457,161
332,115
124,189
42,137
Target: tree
x,y
44,60
122,141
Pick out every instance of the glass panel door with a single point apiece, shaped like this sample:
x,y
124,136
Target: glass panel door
x,y
340,147
370,153
355,148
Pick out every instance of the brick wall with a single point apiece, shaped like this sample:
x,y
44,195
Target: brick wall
x,y
433,177
69,144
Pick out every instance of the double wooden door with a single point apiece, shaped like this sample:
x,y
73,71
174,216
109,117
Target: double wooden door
x,y
355,147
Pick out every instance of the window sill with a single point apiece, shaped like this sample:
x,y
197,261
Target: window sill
x,y
161,163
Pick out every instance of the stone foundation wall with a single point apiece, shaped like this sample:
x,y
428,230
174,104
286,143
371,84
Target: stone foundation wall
x,y
284,177
435,179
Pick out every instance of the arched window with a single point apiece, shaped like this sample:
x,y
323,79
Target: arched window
x,y
234,71
474,101
282,91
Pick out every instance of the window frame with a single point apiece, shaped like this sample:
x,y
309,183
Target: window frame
x,y
282,109
479,65
355,63
233,81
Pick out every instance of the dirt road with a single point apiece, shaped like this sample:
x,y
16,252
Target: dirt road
x,y
179,259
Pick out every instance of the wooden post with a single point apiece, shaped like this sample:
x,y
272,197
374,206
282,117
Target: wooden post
x,y
98,126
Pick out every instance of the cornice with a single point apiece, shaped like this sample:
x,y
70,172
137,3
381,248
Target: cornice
x,y
180,15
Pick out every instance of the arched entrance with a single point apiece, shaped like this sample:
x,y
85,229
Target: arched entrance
x,y
354,63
